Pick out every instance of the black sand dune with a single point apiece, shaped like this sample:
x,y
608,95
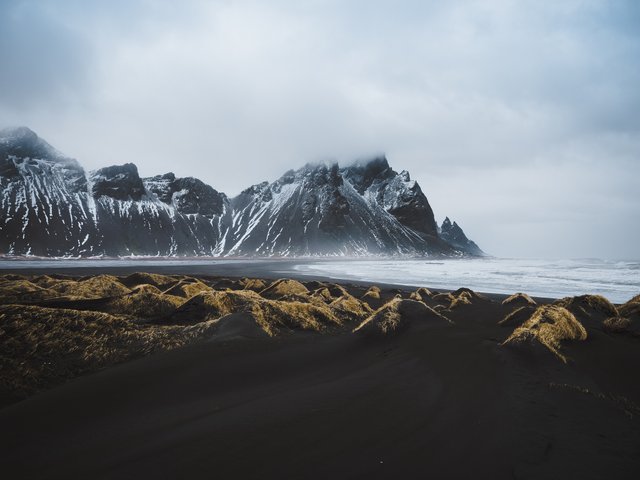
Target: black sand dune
x,y
439,392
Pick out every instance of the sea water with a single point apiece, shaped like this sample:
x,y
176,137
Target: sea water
x,y
616,280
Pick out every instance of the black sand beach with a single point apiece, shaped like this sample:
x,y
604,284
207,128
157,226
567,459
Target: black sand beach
x,y
430,397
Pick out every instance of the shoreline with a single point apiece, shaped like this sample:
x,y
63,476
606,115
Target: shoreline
x,y
491,276
237,272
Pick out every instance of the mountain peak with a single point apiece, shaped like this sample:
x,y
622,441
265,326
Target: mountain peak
x,y
17,134
377,163
22,142
455,236
377,167
364,173
120,182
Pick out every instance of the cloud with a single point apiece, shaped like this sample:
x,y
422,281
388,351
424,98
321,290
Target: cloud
x,y
507,112
43,61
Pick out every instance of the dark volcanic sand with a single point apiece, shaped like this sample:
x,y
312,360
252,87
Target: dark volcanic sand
x,y
434,401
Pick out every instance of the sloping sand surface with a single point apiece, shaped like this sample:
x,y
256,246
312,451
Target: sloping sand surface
x,y
438,398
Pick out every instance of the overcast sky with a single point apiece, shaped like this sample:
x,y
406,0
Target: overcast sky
x,y
519,119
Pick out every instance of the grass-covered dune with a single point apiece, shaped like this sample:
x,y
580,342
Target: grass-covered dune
x,y
56,327
183,376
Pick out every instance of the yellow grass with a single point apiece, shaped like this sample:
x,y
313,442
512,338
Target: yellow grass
x,y
323,293
389,318
100,286
273,316
349,308
588,304
385,320
444,298
516,316
520,299
44,346
463,298
420,294
187,288
336,291
630,310
23,291
140,314
254,284
146,288
144,304
635,299
283,287
270,315
162,282
372,293
616,324
549,325
44,281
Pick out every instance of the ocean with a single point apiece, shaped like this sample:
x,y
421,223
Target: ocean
x,y
616,280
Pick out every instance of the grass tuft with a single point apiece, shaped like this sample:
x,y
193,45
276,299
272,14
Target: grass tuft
x,y
187,288
549,325
463,298
395,315
162,282
254,284
517,316
630,310
373,293
588,304
42,347
519,299
283,287
421,294
616,325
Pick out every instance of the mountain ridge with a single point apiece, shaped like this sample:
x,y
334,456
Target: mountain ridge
x,y
52,207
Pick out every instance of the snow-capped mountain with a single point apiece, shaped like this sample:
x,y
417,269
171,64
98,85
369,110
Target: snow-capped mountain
x,y
454,236
366,208
49,206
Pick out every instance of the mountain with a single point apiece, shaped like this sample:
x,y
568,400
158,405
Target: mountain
x,y
366,208
454,236
51,207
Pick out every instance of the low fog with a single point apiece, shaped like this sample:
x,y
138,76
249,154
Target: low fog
x,y
520,119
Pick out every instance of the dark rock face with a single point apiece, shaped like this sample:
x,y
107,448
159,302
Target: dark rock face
x,y
396,193
188,195
304,212
50,208
121,182
161,186
363,174
194,196
8,167
453,234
